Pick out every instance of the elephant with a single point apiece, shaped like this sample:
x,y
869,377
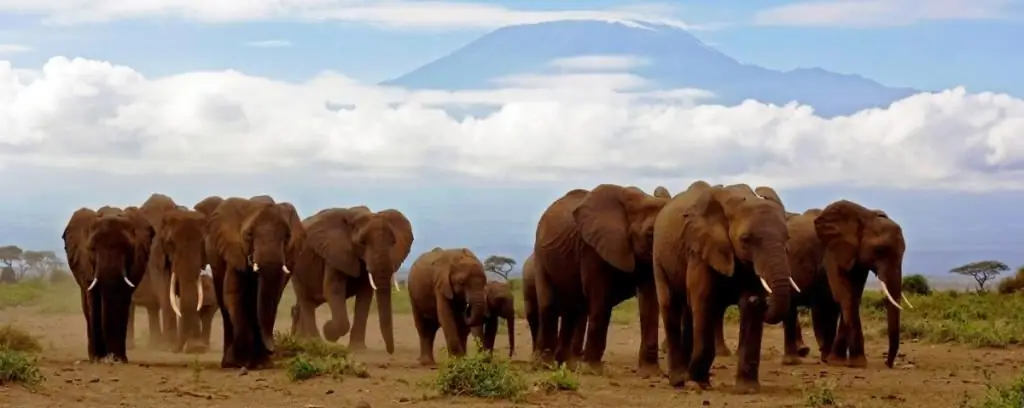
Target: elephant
x,y
447,290
593,250
716,246
857,240
107,252
532,312
247,247
349,252
500,303
208,205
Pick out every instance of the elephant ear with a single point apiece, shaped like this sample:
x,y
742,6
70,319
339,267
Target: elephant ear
x,y
603,224
75,234
709,225
329,235
442,265
769,194
662,192
298,232
402,229
143,240
839,228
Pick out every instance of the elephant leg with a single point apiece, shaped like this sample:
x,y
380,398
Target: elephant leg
x,y
533,320
548,316
206,317
242,330
336,292
427,329
448,320
703,311
672,317
790,335
571,320
599,315
752,311
155,334
721,348
129,342
91,347
360,316
850,337
116,307
490,332
824,318
647,356
578,337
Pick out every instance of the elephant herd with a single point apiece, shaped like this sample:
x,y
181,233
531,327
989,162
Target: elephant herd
x,y
686,258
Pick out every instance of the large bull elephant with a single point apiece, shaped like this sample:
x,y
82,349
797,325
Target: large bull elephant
x,y
350,252
857,240
107,252
447,291
716,246
593,250
500,304
247,248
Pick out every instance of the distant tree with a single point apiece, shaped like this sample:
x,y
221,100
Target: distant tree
x,y
981,271
1012,284
7,275
10,254
916,284
40,261
499,265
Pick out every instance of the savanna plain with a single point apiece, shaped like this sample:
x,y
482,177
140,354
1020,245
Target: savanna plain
x,y
959,349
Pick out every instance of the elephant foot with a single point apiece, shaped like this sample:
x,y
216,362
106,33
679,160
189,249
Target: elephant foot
x,y
745,387
857,362
835,360
427,361
356,345
333,331
649,370
677,378
723,351
802,350
196,347
704,385
593,368
261,363
790,359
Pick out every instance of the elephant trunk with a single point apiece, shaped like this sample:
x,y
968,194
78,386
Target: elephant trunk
x,y
271,283
773,267
510,321
186,305
478,310
387,329
893,288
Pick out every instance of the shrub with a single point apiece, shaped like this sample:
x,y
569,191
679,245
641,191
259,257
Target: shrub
x,y
480,375
310,358
916,284
1001,396
12,338
560,379
17,365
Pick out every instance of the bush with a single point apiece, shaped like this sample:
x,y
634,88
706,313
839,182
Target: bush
x,y
12,338
916,284
561,379
310,358
1001,396
17,365
480,375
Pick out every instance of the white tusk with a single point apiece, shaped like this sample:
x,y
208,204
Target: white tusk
x,y
908,302
286,270
175,302
395,280
128,282
92,284
199,287
889,296
795,286
765,284
255,267
370,277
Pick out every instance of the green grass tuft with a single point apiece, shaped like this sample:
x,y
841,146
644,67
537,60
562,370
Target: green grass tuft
x,y
481,375
311,358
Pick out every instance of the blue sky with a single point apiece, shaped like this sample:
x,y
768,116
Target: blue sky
x,y
921,44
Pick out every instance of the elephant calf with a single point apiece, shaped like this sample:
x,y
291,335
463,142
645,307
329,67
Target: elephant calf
x,y
442,283
500,303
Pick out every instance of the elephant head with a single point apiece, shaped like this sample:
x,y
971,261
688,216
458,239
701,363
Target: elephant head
x,y
500,303
118,247
733,227
178,250
208,205
618,223
855,237
354,240
662,192
459,273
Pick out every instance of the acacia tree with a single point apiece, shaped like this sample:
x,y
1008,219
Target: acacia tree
x,y
499,265
9,254
981,271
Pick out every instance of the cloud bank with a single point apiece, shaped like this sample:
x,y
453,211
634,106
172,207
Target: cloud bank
x,y
872,13
13,48
79,114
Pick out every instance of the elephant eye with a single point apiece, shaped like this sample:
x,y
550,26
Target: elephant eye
x,y
747,238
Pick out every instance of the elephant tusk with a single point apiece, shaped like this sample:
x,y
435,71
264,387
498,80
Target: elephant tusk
x,y
908,301
255,267
128,282
175,302
199,287
92,284
395,280
795,286
370,277
286,270
765,284
888,295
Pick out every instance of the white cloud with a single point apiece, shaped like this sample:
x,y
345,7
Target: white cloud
x,y
600,62
95,116
13,48
390,14
866,13
269,44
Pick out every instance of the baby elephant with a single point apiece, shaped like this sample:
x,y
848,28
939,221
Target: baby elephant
x,y
446,289
500,304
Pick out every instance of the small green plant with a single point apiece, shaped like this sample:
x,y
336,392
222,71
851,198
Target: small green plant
x,y
310,358
480,375
13,338
821,395
560,379
197,369
917,284
18,367
1000,396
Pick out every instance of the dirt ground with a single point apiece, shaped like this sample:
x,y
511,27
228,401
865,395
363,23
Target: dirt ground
x,y
926,375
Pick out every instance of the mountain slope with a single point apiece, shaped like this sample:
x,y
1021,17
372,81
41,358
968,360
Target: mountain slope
x,y
675,59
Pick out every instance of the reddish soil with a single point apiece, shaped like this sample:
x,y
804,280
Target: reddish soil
x,y
926,376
